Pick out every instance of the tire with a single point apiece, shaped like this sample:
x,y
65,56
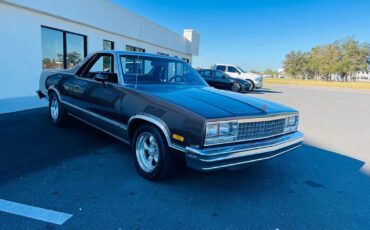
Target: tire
x,y
252,84
153,162
57,113
235,87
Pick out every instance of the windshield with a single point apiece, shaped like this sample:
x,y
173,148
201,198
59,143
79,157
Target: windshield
x,y
241,70
157,70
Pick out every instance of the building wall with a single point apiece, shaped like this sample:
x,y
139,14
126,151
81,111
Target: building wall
x,y
20,36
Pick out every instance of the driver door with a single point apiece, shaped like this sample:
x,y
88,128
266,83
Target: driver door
x,y
222,81
100,100
232,71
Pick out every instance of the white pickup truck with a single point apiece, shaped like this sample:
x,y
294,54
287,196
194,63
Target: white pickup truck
x,y
237,72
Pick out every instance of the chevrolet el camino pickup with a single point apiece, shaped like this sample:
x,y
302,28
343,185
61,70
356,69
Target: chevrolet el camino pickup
x,y
165,110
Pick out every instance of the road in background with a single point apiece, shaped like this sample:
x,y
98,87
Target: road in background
x,y
335,119
83,172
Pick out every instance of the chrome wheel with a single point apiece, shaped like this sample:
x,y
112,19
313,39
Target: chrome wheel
x,y
235,87
54,108
147,151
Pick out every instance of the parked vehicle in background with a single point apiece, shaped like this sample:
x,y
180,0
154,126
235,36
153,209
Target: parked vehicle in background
x,y
221,80
167,112
237,72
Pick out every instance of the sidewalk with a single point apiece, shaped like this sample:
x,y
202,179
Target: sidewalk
x,y
21,103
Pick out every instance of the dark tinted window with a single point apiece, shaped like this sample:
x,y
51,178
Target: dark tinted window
x,y
61,49
108,45
134,49
75,49
231,69
221,68
206,73
219,74
163,54
52,49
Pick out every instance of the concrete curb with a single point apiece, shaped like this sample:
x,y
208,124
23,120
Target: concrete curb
x,y
17,104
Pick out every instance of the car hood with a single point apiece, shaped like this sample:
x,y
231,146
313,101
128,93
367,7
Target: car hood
x,y
212,103
251,75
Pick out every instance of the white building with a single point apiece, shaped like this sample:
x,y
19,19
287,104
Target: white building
x,y
37,34
363,76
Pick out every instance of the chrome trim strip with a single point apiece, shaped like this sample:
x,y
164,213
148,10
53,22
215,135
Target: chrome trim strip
x,y
269,118
105,131
160,124
118,124
274,144
249,161
251,152
256,118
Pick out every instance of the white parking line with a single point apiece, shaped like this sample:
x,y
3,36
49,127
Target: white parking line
x,y
36,213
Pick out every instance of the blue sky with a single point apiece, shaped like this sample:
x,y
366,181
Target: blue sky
x,y
257,34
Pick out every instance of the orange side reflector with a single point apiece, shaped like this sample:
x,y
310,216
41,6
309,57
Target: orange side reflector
x,y
178,137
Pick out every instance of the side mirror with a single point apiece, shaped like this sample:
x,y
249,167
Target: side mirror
x,y
101,77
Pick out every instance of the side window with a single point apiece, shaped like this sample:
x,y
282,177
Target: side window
x,y
219,74
206,73
221,68
103,65
231,69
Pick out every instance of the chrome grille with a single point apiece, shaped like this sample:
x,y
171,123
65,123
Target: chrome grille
x,y
260,129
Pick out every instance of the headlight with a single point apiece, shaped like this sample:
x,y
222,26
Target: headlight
x,y
291,123
221,132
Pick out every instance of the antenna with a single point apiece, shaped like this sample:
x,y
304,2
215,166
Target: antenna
x,y
137,70
140,36
135,66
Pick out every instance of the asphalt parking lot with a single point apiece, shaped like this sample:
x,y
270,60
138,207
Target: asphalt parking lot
x,y
82,172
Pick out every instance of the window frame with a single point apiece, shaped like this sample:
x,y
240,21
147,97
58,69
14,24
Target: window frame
x,y
203,72
236,70
221,66
91,62
111,42
219,72
64,42
135,49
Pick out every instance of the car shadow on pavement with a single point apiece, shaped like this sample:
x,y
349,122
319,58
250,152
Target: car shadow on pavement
x,y
308,188
264,91
29,141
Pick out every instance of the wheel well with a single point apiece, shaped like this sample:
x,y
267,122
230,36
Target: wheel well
x,y
252,82
139,122
50,91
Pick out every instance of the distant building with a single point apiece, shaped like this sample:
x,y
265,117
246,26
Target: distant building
x,y
281,73
363,76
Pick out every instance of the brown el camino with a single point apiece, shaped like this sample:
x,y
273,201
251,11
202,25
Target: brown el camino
x,y
168,114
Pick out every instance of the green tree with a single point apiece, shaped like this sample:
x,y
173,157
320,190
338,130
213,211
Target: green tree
x,y
296,64
339,59
355,58
270,72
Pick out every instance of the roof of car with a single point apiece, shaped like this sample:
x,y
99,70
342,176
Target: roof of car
x,y
119,52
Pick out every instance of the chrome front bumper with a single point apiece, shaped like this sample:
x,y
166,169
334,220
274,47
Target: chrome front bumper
x,y
259,84
234,156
